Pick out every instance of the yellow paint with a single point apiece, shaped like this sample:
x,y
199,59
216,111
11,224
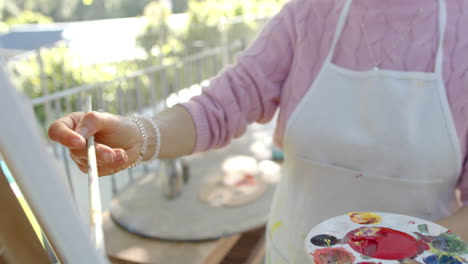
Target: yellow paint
x,y
275,226
365,218
367,231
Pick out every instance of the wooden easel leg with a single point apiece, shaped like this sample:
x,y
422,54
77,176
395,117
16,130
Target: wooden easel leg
x,y
20,243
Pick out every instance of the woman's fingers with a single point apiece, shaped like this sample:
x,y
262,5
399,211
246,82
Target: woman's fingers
x,y
95,122
63,132
109,160
116,139
83,168
103,169
104,155
79,161
112,130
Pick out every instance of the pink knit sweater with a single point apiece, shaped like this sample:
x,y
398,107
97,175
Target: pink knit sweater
x,y
278,68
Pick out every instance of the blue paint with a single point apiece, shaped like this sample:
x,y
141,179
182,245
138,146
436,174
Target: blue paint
x,y
442,259
450,243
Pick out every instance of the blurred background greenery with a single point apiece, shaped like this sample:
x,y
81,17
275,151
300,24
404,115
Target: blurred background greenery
x,y
168,33
152,51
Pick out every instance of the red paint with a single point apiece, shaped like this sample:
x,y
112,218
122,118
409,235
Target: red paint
x,y
331,255
384,243
248,179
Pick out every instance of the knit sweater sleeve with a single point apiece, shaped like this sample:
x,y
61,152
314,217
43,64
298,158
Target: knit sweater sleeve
x,y
248,91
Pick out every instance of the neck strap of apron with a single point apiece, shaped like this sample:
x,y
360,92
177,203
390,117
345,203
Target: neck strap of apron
x,y
440,47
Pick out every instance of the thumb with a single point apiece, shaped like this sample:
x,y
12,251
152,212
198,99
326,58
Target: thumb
x,y
95,122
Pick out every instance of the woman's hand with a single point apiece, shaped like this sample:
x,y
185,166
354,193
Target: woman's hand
x,y
118,139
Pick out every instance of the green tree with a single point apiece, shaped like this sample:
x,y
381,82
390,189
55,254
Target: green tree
x,y
29,17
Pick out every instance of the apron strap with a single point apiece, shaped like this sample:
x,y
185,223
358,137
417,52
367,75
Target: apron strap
x,y
442,28
339,29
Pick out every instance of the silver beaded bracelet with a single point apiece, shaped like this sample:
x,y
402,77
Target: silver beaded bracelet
x,y
135,118
158,137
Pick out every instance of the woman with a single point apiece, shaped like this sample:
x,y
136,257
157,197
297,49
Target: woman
x,y
372,114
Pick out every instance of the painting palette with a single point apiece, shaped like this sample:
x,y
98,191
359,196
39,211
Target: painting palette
x,y
380,238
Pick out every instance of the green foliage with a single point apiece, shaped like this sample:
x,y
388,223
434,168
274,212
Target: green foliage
x,y
206,17
179,6
166,39
72,10
29,17
3,27
61,72
156,32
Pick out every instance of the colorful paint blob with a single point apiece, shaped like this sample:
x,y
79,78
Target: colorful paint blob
x,y
365,218
425,238
443,259
324,240
423,229
247,179
450,244
409,261
383,238
384,243
276,225
333,256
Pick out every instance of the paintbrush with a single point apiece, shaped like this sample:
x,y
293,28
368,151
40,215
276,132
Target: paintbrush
x,y
95,210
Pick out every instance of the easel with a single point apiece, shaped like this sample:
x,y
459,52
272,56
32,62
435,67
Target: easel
x,y
50,200
21,245
39,179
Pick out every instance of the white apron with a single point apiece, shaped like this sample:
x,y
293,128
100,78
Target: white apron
x,y
365,141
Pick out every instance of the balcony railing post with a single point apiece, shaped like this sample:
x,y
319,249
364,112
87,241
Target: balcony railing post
x,y
223,28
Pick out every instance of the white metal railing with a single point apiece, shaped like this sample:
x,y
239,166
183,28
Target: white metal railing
x,y
140,91
135,92
147,89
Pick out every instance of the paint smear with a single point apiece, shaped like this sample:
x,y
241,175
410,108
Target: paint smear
x,y
275,226
332,256
365,218
423,229
425,238
409,261
443,259
384,243
324,240
247,179
450,243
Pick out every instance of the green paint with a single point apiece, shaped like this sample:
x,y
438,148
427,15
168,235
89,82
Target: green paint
x,y
449,244
423,229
